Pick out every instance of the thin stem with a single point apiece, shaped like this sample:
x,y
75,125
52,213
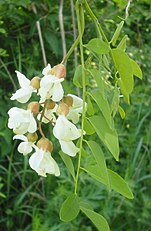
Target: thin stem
x,y
80,19
71,50
74,36
40,121
94,18
6,69
62,27
40,36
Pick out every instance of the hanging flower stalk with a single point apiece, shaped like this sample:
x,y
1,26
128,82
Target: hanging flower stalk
x,y
54,108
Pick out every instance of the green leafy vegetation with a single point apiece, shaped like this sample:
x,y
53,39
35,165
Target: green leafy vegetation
x,y
29,202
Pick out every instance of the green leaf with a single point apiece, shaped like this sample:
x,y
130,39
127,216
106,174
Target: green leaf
x,y
70,208
124,68
98,78
68,163
115,101
116,181
108,136
98,220
99,157
90,109
121,111
88,128
136,69
98,46
122,44
103,106
117,33
77,78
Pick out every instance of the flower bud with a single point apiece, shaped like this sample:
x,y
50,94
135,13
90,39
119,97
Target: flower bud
x,y
59,71
45,144
32,137
63,109
34,107
68,100
50,104
35,82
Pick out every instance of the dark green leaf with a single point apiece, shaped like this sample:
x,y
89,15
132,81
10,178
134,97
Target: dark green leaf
x,y
108,136
70,208
98,220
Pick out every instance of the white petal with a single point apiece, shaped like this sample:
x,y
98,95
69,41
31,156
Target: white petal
x,y
65,130
74,116
20,137
57,92
22,95
32,125
23,81
46,69
35,159
25,147
69,147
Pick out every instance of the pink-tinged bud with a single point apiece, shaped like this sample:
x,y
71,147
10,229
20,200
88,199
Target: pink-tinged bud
x,y
63,109
68,100
50,104
34,107
35,82
59,71
32,137
45,144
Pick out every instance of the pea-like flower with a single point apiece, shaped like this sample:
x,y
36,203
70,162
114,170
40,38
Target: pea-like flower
x,y
50,86
65,132
42,162
24,93
75,109
24,147
21,121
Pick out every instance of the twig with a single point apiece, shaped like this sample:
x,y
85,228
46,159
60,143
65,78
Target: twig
x,y
74,36
127,8
62,28
6,69
40,36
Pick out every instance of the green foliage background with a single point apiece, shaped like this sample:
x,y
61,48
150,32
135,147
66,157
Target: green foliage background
x,y
28,202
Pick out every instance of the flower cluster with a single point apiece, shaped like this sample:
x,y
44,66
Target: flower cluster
x,y
54,108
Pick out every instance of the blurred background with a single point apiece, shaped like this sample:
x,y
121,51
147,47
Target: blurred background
x,y
29,202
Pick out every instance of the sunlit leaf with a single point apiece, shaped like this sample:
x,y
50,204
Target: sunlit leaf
x,y
88,128
136,69
98,46
122,44
124,68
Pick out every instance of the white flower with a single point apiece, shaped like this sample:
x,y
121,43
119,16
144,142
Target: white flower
x,y
75,109
65,132
50,86
42,162
21,121
24,147
24,93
